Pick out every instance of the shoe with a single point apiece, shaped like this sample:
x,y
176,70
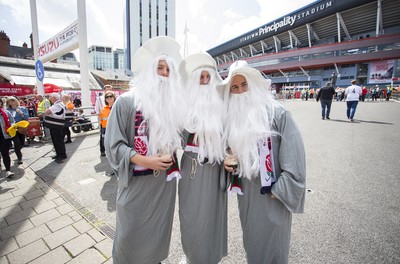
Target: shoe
x,y
20,161
54,157
9,174
103,153
323,118
352,120
61,157
68,141
327,118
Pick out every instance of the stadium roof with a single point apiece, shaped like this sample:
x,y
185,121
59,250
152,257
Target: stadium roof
x,y
321,22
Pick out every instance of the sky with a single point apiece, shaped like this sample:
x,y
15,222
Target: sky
x,y
210,22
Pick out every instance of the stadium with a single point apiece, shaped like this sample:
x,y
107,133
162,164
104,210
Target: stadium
x,y
343,39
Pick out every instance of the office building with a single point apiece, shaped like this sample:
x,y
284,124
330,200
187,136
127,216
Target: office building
x,y
145,19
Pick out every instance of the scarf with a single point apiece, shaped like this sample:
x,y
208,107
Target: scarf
x,y
12,130
190,146
141,146
267,168
6,120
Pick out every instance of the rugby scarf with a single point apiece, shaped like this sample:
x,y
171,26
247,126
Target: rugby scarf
x,y
190,146
267,169
141,144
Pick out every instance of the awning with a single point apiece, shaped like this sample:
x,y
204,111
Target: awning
x,y
51,88
23,80
28,80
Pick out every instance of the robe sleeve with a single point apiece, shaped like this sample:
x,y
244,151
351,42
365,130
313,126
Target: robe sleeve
x,y
119,139
291,184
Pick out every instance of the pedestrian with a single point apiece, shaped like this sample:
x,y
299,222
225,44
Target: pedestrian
x,y
77,102
6,121
99,105
326,94
364,92
109,98
353,93
43,104
31,107
339,94
100,99
143,132
18,113
55,120
69,116
267,145
204,226
389,92
375,93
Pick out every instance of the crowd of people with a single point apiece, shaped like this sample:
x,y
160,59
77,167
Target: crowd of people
x,y
56,114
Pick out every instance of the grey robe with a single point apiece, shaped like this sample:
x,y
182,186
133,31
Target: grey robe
x,y
266,222
203,211
145,204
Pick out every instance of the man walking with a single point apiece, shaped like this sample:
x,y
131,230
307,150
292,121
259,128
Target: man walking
x,y
55,120
326,94
352,93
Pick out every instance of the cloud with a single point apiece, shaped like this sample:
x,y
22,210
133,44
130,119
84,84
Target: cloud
x,y
109,18
231,15
19,10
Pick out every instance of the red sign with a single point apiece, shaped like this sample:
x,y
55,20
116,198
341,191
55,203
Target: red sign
x,y
7,89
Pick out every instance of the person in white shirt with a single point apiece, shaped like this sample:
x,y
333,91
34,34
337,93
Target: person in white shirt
x,y
353,93
100,99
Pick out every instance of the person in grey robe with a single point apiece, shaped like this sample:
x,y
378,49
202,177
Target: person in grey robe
x,y
143,131
268,147
202,195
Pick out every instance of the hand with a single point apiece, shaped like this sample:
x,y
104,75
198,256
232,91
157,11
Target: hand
x,y
19,111
273,196
154,162
228,163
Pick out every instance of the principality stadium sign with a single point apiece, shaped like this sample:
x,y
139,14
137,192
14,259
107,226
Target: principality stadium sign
x,y
288,21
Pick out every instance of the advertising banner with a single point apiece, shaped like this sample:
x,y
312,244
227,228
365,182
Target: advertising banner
x,y
64,42
381,71
14,90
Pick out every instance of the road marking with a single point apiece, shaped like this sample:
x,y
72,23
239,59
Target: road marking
x,y
86,181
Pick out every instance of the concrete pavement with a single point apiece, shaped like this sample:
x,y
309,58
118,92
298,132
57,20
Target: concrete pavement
x,y
40,223
352,206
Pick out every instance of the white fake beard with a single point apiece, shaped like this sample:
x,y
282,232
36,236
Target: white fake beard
x,y
247,122
161,105
205,118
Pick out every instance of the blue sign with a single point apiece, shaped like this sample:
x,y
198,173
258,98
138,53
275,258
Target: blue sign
x,y
39,70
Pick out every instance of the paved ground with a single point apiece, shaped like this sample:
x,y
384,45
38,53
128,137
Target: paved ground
x,y
55,213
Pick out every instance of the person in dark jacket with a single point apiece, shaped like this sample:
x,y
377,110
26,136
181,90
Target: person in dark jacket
x,y
326,94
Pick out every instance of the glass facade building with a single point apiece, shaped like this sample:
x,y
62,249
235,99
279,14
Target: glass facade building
x,y
145,19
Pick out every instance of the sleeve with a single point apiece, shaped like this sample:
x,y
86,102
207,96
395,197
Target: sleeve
x,y
10,118
118,148
291,184
25,112
318,95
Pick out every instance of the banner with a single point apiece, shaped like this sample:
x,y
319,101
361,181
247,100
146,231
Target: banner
x,y
8,89
381,71
64,42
